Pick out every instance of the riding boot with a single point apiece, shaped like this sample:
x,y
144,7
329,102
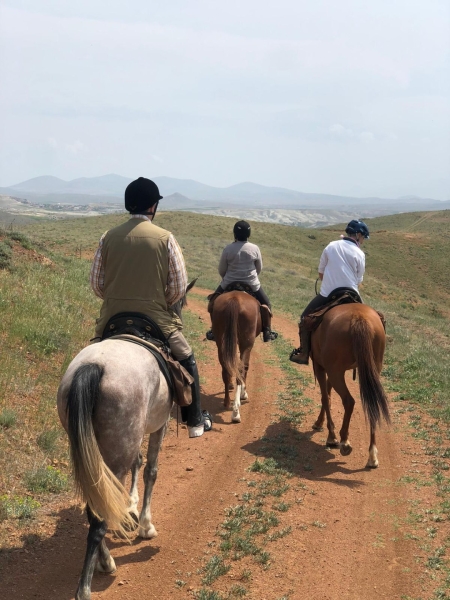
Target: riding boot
x,y
198,421
266,322
301,355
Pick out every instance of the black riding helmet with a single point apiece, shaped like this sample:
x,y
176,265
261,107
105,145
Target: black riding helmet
x,y
241,231
140,195
357,226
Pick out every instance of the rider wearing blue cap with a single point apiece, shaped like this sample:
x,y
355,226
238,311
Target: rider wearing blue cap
x,y
341,265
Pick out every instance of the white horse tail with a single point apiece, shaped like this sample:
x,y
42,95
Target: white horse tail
x,y
95,482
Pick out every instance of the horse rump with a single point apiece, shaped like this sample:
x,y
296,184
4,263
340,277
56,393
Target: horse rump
x,y
373,396
94,481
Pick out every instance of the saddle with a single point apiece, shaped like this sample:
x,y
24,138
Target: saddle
x,y
239,286
140,329
339,296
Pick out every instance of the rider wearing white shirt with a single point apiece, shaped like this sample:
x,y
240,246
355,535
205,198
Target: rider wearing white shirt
x,y
341,265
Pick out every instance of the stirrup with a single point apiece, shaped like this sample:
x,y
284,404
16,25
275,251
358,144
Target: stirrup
x,y
269,335
299,357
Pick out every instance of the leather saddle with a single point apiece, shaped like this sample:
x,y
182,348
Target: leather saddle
x,y
239,286
337,297
138,325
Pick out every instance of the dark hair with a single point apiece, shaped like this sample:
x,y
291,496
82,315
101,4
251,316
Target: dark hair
x,y
140,195
242,231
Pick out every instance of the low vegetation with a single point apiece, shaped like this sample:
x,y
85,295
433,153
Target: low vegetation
x,y
48,311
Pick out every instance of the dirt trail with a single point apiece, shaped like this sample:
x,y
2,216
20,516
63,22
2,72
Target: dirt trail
x,y
348,525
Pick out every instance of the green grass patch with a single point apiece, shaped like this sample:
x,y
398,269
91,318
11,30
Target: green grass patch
x,y
8,418
17,507
46,479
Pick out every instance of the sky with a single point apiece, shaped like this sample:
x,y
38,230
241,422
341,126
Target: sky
x,y
348,97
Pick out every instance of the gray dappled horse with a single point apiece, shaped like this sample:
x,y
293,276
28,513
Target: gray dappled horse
x,y
110,396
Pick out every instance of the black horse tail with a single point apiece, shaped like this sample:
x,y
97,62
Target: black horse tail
x,y
95,482
231,361
373,396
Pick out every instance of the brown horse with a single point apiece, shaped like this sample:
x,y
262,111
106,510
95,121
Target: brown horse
x,y
236,322
351,336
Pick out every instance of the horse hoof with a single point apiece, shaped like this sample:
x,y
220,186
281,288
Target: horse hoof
x,y
244,396
346,449
148,533
372,465
108,568
333,445
317,427
236,419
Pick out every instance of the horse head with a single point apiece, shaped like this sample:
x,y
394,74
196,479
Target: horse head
x,y
182,302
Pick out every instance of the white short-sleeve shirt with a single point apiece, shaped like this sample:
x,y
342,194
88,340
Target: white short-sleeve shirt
x,y
342,264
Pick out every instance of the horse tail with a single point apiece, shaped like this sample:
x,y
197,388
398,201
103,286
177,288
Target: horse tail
x,y
373,397
95,482
231,361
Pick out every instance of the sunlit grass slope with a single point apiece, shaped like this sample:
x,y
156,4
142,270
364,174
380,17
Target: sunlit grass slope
x,y
47,313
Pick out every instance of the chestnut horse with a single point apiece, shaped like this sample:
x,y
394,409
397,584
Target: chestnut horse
x,y
351,336
236,322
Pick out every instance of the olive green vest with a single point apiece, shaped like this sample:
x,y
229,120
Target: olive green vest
x,y
136,262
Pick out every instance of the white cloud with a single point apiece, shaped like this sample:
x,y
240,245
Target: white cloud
x,y
76,147
340,131
367,137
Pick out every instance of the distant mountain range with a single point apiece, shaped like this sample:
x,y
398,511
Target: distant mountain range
x,y
189,194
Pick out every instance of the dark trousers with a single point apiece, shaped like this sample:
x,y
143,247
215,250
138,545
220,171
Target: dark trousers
x,y
260,295
319,301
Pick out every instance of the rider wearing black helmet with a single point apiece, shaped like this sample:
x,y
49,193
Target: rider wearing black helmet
x,y
139,268
341,265
241,261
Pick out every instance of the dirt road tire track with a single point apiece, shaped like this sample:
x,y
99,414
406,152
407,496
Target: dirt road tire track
x,y
348,530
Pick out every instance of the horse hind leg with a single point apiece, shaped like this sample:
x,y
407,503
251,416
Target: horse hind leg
x,y
325,389
134,493
146,528
96,551
338,383
245,360
372,463
236,418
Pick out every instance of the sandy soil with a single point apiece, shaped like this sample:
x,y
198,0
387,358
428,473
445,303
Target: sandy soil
x,y
349,525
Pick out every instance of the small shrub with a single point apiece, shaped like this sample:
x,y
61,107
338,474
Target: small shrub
x,y
21,238
204,594
214,569
8,418
45,479
47,439
5,255
17,507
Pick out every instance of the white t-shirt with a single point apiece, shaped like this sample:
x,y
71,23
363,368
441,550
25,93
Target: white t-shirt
x,y
342,264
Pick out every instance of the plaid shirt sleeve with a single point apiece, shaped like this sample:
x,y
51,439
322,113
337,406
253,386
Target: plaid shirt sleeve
x,y
97,277
177,278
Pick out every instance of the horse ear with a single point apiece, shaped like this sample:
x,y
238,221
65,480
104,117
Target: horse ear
x,y
191,285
